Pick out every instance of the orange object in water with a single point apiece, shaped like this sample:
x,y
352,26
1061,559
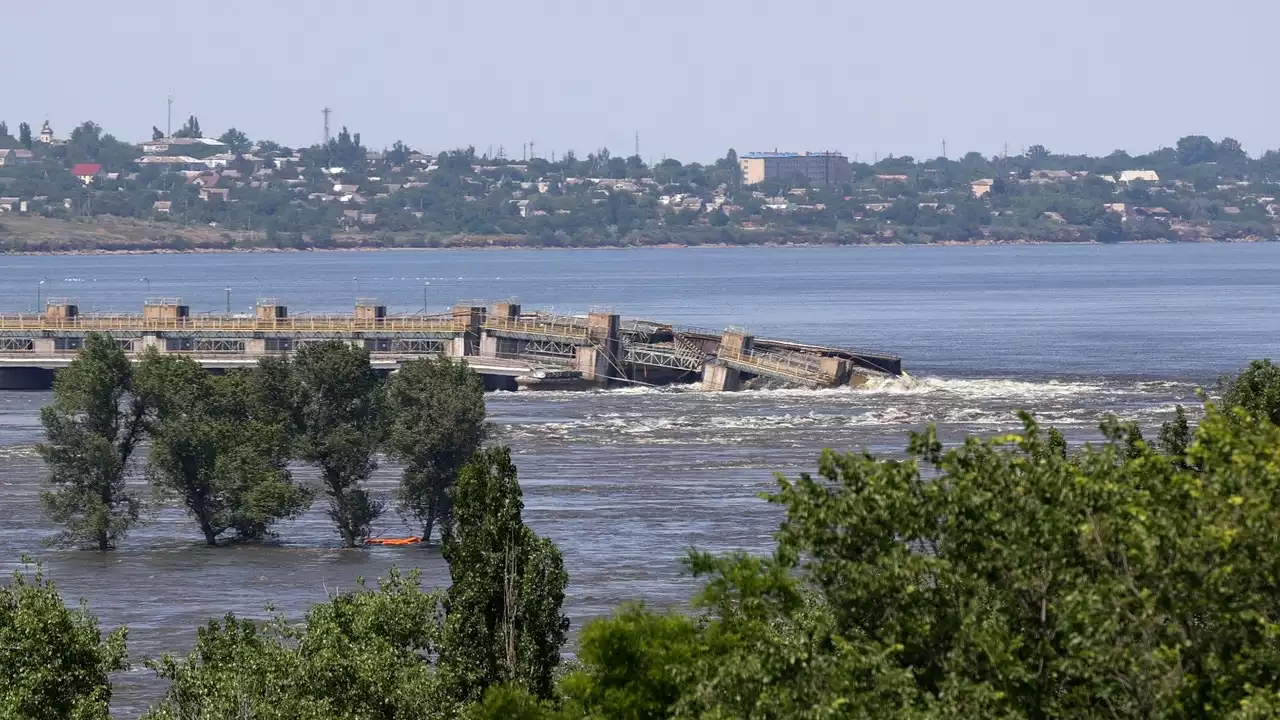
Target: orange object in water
x,y
394,541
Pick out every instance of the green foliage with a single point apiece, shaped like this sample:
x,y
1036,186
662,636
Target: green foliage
x,y
236,141
190,129
220,445
503,622
363,654
436,424
1257,390
92,428
53,659
1006,581
340,405
24,135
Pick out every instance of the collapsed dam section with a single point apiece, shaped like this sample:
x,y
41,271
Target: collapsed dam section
x,y
511,348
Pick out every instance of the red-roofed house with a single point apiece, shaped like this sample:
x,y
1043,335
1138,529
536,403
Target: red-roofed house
x,y
86,172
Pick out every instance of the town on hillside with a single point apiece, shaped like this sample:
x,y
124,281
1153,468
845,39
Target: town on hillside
x,y
183,190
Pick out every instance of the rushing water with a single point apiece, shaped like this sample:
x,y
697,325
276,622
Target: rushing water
x,y
626,480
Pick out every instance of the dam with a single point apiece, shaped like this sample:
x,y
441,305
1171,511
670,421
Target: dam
x,y
509,347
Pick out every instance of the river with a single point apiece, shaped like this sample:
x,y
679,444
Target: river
x,y
625,481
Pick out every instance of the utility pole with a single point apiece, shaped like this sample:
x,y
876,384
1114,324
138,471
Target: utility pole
x,y
524,152
228,299
168,122
326,112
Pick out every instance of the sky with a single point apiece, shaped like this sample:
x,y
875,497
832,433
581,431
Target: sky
x,y
693,78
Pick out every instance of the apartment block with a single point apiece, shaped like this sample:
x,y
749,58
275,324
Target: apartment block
x,y
818,168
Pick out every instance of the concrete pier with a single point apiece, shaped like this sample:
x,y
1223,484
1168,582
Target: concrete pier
x,y
510,347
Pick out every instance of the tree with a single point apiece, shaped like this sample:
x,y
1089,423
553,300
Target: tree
x,y
1230,150
54,659
1109,228
92,428
503,621
436,423
190,129
4,129
218,449
363,654
340,404
24,135
85,143
1256,390
346,151
1194,149
156,133
1000,578
235,141
398,154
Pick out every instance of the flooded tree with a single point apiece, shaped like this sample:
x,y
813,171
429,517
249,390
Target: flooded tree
x,y
436,410
92,428
340,405
221,445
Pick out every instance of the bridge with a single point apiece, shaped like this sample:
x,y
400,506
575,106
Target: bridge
x,y
510,348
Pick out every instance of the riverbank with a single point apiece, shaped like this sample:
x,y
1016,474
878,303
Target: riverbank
x,y
30,235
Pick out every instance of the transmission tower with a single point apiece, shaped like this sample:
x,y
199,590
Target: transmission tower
x,y
326,111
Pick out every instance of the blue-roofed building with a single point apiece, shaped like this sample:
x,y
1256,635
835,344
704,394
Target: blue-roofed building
x,y
817,168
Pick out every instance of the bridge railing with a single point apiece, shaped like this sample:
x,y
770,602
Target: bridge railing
x,y
300,323
546,325
792,366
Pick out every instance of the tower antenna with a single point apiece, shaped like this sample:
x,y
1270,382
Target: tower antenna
x,y
944,148
637,143
326,111
168,122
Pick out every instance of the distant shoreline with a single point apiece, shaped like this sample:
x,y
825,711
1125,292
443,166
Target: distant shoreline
x,y
665,246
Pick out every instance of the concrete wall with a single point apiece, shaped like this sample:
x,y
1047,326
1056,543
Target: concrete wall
x,y
25,378
720,378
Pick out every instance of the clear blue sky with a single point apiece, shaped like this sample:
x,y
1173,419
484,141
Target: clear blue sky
x,y
694,77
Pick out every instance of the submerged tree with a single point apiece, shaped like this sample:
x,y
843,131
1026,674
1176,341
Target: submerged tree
x,y
436,423
54,660
218,445
340,411
503,618
92,428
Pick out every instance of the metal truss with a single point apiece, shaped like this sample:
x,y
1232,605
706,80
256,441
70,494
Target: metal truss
x,y
418,346
548,346
664,355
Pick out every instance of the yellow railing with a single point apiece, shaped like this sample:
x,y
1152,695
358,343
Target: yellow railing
x,y
548,327
301,323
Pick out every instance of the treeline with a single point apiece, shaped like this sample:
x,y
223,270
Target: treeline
x,y
222,445
282,197
1007,577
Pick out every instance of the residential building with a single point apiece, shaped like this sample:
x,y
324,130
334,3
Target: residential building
x,y
817,168
86,172
981,188
1129,176
15,157
165,146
